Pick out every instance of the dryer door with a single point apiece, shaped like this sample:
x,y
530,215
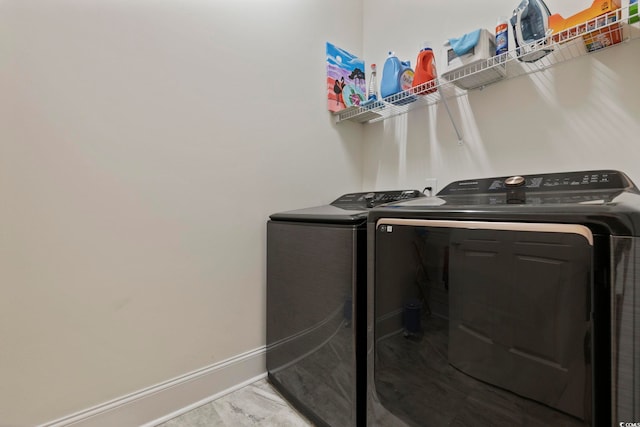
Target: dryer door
x,y
483,323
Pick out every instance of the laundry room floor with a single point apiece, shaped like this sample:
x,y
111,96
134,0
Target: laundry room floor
x,y
257,404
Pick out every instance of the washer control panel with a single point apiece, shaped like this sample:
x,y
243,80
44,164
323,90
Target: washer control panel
x,y
372,199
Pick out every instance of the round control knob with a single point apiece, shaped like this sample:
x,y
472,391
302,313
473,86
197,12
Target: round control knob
x,y
515,193
514,181
369,198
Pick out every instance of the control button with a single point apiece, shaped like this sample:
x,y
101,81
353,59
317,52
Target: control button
x,y
368,199
514,181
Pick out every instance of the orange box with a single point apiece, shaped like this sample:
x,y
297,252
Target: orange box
x,y
602,14
604,37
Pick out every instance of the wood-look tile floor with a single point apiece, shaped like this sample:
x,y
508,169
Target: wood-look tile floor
x,y
257,404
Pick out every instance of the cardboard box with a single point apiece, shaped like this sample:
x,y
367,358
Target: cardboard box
x,y
599,7
601,20
604,37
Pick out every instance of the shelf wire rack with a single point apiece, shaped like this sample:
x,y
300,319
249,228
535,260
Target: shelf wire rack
x,y
602,32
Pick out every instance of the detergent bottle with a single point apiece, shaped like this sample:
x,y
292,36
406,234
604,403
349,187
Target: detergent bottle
x,y
397,76
502,35
425,71
372,93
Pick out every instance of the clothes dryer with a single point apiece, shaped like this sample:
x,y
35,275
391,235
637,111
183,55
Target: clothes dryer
x,y
507,301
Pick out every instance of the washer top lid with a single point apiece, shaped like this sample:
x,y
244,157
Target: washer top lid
x,y
349,208
323,214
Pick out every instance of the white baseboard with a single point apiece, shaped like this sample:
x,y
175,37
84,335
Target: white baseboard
x,y
161,402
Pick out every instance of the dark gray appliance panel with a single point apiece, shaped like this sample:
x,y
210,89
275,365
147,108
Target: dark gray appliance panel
x,y
311,273
626,330
504,334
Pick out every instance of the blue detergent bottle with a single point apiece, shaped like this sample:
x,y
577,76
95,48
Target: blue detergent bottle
x,y
397,76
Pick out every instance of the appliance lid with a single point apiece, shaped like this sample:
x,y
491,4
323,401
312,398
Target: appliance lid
x,y
323,214
350,208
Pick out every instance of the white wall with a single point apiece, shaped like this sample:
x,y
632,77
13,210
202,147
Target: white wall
x,y
581,114
143,145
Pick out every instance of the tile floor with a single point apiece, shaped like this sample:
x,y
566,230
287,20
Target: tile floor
x,y
257,404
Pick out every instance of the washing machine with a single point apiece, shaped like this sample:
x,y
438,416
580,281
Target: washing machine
x,y
316,291
507,301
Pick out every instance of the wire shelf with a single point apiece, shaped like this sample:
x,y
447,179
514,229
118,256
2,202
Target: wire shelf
x,y
601,32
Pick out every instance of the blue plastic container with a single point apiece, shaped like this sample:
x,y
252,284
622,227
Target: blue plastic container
x,y
397,76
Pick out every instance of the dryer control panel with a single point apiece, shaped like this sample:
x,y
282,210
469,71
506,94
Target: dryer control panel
x,y
371,199
596,180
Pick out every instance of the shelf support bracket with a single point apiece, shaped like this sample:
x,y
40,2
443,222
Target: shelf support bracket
x,y
453,123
